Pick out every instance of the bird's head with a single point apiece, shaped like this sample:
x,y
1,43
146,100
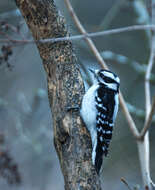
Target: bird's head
x,y
106,78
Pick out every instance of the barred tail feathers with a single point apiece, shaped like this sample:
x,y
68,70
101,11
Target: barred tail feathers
x,y
94,152
97,156
100,144
99,151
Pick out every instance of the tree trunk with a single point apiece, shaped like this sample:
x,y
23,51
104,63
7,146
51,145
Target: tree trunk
x,y
65,90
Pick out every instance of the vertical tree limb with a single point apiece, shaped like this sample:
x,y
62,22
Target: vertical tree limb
x,y
65,89
144,143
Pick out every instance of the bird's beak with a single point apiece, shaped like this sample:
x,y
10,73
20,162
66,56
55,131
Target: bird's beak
x,y
92,71
95,72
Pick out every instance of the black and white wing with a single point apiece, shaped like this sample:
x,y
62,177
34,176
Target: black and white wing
x,y
107,108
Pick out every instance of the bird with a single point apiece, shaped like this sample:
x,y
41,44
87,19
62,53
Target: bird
x,y
99,108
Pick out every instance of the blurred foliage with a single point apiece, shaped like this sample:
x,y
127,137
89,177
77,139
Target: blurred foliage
x,y
6,52
8,169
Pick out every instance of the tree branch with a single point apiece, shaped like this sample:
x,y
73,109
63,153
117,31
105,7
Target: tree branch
x,y
83,31
128,117
143,144
82,36
148,121
65,89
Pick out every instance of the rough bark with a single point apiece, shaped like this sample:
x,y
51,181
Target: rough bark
x,y
65,90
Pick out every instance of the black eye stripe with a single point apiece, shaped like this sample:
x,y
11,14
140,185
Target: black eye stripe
x,y
107,79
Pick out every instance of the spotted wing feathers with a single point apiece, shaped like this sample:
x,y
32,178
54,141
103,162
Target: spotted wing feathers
x,y
104,128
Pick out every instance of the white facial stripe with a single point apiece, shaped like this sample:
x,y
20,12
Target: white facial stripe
x,y
110,75
117,79
112,86
101,138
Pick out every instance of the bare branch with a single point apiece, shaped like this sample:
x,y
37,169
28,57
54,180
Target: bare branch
x,y
149,7
139,113
122,59
83,35
143,143
111,14
83,31
147,79
128,117
148,121
126,183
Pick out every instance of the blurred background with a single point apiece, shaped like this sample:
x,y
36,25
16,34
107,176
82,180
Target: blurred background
x,y
28,160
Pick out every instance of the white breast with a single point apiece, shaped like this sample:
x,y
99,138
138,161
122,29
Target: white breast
x,y
116,107
88,110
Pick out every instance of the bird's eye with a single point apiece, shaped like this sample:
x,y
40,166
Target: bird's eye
x,y
101,75
108,80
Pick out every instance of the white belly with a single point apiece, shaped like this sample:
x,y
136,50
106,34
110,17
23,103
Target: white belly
x,y
88,111
116,107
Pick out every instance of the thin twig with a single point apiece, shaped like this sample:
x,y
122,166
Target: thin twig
x,y
6,36
147,79
111,14
139,113
148,121
122,59
14,29
126,183
83,31
149,7
143,144
19,42
128,116
84,35
103,64
153,184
